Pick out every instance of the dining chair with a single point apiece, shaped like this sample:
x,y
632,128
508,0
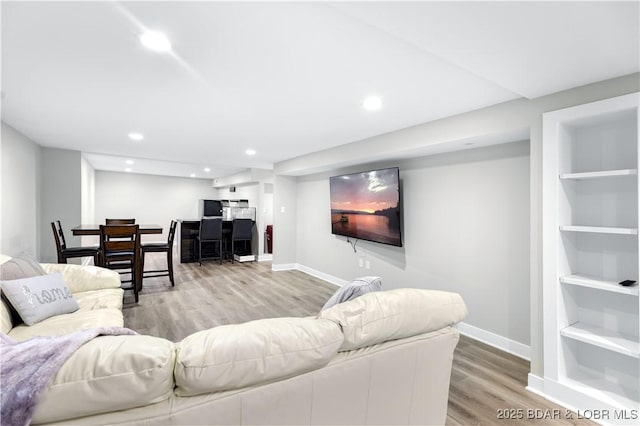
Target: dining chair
x,y
65,252
210,232
160,248
122,254
241,231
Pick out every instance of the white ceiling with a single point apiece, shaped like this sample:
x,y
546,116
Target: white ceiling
x,y
285,79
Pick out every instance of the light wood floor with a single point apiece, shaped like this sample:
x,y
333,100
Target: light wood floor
x,y
485,381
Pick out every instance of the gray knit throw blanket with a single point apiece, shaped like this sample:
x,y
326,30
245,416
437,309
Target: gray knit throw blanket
x,y
27,367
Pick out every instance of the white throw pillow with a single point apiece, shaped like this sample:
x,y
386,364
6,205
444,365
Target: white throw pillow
x,y
40,297
353,289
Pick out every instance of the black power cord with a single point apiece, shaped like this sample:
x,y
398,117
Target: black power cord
x,y
353,244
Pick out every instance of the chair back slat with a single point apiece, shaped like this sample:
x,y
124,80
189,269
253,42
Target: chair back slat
x,y
108,244
61,243
172,233
120,221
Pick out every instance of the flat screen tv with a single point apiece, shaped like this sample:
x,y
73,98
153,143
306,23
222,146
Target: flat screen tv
x,y
366,206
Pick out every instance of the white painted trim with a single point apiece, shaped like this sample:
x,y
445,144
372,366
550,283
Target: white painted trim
x,y
313,272
284,267
326,277
535,384
265,257
511,346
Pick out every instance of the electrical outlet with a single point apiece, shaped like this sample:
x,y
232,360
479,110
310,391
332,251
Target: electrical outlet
x,y
367,264
360,262
282,209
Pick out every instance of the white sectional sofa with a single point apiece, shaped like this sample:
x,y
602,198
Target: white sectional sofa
x,y
383,358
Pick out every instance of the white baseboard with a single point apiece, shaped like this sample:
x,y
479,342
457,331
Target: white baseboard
x,y
310,271
511,346
326,277
535,384
284,267
265,257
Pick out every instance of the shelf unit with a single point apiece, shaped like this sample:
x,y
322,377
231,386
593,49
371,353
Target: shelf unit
x,y
590,244
607,339
600,229
598,175
599,284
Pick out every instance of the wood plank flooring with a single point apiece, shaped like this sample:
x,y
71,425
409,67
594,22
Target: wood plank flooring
x,y
212,294
485,381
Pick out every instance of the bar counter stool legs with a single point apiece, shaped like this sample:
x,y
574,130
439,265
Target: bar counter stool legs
x,y
161,248
210,232
242,230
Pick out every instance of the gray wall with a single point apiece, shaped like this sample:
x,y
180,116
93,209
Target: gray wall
x,y
88,198
61,198
498,119
466,229
19,210
285,220
149,199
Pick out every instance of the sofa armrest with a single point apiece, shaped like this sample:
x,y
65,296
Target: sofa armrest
x,y
84,278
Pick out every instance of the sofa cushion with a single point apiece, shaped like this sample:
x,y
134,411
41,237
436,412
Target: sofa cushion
x,y
353,289
388,315
6,324
38,298
4,258
109,298
68,323
109,373
235,356
84,277
23,266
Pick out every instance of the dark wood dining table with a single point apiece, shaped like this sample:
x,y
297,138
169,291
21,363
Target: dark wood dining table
x,y
94,229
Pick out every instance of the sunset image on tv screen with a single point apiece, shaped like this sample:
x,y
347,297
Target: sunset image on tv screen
x,y
367,206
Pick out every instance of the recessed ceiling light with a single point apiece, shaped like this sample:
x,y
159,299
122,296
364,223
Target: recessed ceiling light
x,y
128,169
250,151
129,162
192,175
155,40
206,169
372,103
135,136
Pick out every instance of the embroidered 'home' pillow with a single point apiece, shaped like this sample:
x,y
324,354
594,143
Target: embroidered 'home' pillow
x,y
40,297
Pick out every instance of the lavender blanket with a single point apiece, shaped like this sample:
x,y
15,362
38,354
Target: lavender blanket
x,y
27,367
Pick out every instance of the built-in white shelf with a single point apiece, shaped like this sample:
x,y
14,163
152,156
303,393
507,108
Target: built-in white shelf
x,y
603,338
601,389
599,283
590,167
600,229
602,174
